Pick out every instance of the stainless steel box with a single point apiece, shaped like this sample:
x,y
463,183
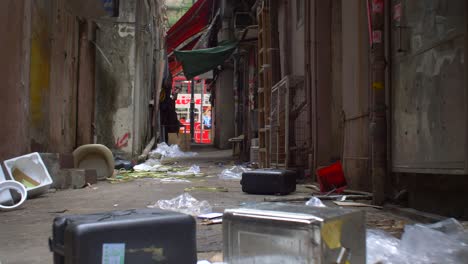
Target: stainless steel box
x,y
283,233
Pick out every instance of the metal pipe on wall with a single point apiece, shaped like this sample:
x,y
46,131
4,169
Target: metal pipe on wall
x,y
378,124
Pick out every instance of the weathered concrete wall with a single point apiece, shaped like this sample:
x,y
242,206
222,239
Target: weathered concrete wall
x,y
15,18
291,38
224,109
356,94
115,79
41,27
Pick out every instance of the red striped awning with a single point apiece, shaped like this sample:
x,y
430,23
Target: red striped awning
x,y
192,22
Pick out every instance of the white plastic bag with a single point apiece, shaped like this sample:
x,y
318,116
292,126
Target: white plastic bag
x,y
184,203
234,173
315,202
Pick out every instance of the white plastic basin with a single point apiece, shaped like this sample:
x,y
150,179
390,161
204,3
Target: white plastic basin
x,y
33,166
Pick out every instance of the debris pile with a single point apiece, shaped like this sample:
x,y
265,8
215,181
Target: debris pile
x,y
442,242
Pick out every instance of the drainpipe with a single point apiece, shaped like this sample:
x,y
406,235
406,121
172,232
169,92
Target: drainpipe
x,y
308,81
378,124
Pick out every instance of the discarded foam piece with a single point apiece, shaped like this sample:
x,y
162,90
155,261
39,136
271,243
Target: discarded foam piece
x,y
97,157
6,187
31,171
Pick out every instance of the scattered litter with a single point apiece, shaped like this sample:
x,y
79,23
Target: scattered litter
x,y
381,247
315,202
206,189
331,178
443,242
161,173
354,204
31,171
172,151
146,167
122,164
115,205
175,180
194,170
7,202
210,216
212,221
234,173
184,203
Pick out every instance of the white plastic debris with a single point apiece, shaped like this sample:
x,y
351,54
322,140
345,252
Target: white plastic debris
x,y
315,202
381,247
172,151
234,173
184,203
192,171
443,242
175,180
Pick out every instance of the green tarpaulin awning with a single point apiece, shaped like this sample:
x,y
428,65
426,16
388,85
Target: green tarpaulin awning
x,y
196,62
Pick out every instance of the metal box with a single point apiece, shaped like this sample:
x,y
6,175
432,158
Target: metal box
x,y
293,234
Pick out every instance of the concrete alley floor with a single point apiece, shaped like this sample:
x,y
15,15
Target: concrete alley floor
x,y
24,233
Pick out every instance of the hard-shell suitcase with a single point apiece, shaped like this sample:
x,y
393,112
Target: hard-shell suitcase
x,y
124,237
269,181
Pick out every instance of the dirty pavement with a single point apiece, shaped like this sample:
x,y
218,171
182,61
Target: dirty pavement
x,y
25,231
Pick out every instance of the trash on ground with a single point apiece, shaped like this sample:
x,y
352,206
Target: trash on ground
x,y
443,242
160,173
316,202
7,201
173,151
206,189
184,203
354,204
331,178
175,180
97,157
212,221
31,171
122,164
210,216
145,167
192,171
234,173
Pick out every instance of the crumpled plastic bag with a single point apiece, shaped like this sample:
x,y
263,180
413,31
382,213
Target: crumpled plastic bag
x,y
186,204
192,171
234,173
315,202
381,247
442,242
172,151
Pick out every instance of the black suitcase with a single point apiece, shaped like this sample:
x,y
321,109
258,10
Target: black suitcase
x,y
269,181
125,237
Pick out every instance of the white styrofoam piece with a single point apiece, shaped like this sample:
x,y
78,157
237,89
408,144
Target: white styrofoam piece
x,y
5,196
33,166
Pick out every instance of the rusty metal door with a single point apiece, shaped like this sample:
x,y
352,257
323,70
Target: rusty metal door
x,y
429,93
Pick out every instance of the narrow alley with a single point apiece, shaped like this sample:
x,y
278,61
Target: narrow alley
x,y
233,131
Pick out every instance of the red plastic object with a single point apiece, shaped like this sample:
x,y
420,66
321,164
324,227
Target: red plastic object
x,y
331,178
